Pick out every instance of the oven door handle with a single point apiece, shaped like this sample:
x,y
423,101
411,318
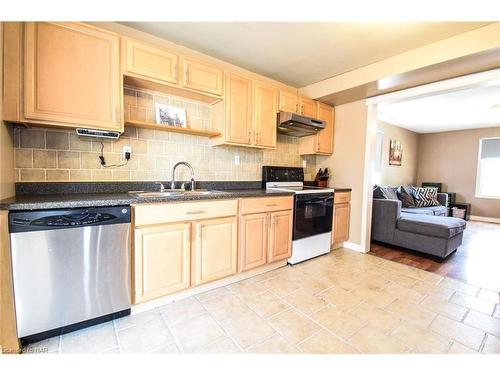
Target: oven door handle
x,y
315,200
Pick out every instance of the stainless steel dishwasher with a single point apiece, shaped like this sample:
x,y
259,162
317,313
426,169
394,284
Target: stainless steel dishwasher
x,y
71,269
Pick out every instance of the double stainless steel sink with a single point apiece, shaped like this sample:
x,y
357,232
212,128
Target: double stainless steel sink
x,y
172,193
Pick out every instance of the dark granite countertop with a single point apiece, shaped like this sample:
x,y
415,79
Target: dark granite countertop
x,y
48,201
65,195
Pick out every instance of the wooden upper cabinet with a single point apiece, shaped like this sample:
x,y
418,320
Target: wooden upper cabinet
x,y
265,108
253,241
149,61
238,109
215,249
307,107
325,136
288,101
202,77
72,76
280,236
161,260
322,142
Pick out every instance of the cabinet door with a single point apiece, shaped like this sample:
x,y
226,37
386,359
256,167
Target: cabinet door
x,y
341,222
280,235
253,241
150,62
72,76
265,100
325,136
162,260
288,102
307,107
215,249
201,77
238,109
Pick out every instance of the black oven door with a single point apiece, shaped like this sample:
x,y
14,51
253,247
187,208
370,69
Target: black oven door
x,y
313,215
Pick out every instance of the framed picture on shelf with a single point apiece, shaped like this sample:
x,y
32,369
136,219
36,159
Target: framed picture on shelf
x,y
395,153
172,116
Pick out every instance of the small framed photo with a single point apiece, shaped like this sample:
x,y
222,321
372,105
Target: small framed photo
x,y
172,116
395,153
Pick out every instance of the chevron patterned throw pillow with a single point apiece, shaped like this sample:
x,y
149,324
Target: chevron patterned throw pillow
x,y
425,197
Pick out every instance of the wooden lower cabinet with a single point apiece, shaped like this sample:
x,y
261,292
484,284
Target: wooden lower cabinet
x,y
215,249
162,260
280,236
341,216
253,241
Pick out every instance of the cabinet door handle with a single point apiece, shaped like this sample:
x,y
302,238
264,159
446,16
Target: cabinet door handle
x,y
195,212
302,109
271,204
187,74
175,71
249,137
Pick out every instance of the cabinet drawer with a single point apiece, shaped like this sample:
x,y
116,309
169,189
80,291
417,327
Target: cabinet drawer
x,y
158,213
255,205
343,197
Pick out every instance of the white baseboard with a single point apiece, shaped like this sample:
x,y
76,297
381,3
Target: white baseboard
x,y
485,219
353,246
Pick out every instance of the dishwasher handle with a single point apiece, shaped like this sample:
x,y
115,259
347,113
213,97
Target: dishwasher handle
x,y
32,221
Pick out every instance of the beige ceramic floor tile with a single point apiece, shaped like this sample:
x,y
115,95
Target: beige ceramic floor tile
x,y
50,345
464,334
281,286
421,340
211,294
403,293
376,317
94,339
337,321
273,345
224,346
484,322
481,305
137,319
371,341
443,307
489,295
166,349
459,286
438,291
198,332
248,329
226,307
399,278
313,285
266,304
325,343
491,345
341,298
496,314
375,297
293,326
457,348
412,312
305,302
145,337
182,310
246,288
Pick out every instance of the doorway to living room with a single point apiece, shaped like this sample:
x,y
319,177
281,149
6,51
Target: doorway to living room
x,y
435,151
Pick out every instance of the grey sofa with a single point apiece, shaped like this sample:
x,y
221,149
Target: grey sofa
x,y
425,232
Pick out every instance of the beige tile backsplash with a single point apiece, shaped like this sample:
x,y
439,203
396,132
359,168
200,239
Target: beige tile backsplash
x,y
60,155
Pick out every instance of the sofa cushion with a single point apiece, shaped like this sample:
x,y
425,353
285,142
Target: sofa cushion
x,y
405,196
439,210
435,226
421,210
378,193
425,197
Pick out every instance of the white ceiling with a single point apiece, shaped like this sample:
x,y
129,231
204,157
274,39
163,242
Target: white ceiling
x,y
471,108
302,53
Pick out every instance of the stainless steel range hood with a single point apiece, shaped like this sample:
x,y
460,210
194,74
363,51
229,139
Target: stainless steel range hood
x,y
298,126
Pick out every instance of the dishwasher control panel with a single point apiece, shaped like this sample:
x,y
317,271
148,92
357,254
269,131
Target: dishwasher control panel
x,y
25,221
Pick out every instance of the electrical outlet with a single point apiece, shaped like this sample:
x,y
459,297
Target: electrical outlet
x,y
304,163
127,149
236,159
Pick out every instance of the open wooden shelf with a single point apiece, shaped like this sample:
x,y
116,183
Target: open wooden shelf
x,y
168,128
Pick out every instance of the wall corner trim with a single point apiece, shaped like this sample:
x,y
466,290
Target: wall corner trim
x,y
354,246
